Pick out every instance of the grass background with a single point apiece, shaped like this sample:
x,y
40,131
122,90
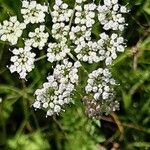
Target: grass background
x,y
21,128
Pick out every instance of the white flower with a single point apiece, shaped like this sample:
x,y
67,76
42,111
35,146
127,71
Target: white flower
x,y
57,109
57,52
84,20
58,2
67,71
54,95
114,1
33,12
123,9
23,61
110,15
99,84
105,95
105,48
79,1
36,104
38,38
109,46
11,30
72,41
96,96
60,17
58,90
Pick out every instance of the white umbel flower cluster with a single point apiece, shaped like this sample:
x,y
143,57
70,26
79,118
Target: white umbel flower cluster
x,y
87,52
60,29
58,90
80,33
38,38
61,12
72,41
100,84
105,48
23,61
57,51
111,15
67,72
84,20
108,46
33,12
60,17
11,30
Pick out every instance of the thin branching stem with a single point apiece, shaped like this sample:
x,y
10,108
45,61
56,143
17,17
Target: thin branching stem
x,y
40,58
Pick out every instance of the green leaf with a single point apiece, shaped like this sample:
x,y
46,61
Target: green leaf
x,y
147,7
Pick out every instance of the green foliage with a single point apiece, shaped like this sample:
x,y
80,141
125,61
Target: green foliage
x,y
34,141
21,128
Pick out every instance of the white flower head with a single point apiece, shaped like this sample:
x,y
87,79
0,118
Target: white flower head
x,y
38,38
100,84
33,12
57,51
84,20
109,46
61,15
111,15
58,90
53,96
67,71
23,61
11,30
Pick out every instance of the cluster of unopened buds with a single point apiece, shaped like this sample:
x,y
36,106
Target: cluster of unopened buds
x,y
69,41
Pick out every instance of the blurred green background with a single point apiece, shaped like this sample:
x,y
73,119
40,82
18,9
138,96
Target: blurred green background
x,y
22,128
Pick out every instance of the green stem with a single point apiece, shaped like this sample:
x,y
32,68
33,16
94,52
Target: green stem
x,y
25,109
41,57
77,60
71,19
